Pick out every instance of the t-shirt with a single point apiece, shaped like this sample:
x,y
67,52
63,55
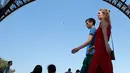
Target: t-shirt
x,y
92,32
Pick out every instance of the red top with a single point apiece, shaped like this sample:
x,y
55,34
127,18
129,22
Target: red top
x,y
99,40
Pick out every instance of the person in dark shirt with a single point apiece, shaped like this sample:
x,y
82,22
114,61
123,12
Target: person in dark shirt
x,y
7,69
69,71
37,69
51,68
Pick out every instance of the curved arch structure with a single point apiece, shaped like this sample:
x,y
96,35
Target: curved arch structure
x,y
119,4
12,6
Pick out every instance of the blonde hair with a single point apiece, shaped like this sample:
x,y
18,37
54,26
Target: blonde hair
x,y
106,15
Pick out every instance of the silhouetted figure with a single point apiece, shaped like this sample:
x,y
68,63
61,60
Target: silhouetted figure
x,y
69,71
37,69
7,69
77,71
51,68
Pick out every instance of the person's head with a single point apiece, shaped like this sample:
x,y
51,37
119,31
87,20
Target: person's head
x,y
77,71
90,22
51,68
69,70
37,69
103,14
10,63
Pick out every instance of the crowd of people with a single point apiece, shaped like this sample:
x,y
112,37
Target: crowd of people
x,y
37,69
51,69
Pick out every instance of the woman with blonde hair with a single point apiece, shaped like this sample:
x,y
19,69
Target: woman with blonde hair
x,y
102,53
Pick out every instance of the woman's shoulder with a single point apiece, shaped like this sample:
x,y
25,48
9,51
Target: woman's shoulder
x,y
104,24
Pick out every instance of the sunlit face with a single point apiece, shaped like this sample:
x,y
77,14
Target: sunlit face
x,y
89,24
100,15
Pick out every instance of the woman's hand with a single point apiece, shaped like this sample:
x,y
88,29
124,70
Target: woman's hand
x,y
75,50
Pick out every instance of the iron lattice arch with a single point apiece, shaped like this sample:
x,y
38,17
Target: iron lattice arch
x,y
11,6
121,5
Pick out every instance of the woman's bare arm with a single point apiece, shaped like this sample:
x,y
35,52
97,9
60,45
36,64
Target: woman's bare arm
x,y
104,25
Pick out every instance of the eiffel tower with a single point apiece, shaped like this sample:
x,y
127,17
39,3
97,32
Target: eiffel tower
x,y
11,6
121,5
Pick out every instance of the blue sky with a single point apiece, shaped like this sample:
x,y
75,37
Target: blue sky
x,y
45,31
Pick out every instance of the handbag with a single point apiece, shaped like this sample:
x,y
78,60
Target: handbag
x,y
112,50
